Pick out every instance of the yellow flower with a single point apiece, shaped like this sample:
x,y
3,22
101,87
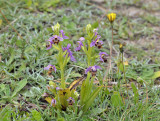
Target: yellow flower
x,y
111,17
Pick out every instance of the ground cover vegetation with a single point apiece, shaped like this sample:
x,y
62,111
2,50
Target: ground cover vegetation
x,y
79,60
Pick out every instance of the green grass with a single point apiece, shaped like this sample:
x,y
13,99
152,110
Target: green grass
x,y
24,59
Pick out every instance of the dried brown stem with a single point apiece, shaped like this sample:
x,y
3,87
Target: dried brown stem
x,y
10,24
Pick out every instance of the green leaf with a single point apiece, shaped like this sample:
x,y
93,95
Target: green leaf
x,y
28,3
96,111
5,114
19,43
82,93
120,66
22,67
84,89
37,115
71,26
95,24
2,87
74,74
116,99
11,57
91,98
135,91
60,119
147,73
20,85
69,73
65,60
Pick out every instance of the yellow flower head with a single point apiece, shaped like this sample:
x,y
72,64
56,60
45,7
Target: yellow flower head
x,y
120,46
111,17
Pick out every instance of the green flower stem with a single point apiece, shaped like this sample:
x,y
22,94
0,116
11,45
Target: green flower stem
x,y
63,84
60,62
89,52
124,74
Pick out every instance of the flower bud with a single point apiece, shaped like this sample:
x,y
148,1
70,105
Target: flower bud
x,y
121,48
111,17
89,28
56,28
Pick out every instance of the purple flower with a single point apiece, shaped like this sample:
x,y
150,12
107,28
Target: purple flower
x,y
92,69
71,101
93,43
70,54
45,95
63,35
103,56
50,67
96,43
53,102
72,58
66,48
57,88
79,47
81,38
95,32
55,39
49,46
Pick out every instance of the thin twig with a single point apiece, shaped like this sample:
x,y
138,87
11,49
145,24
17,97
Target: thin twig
x,y
2,30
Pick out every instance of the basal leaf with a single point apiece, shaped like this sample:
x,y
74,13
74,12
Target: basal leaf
x,y
116,99
91,98
19,86
37,115
135,91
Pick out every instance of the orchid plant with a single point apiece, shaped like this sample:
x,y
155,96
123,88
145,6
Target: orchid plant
x,y
89,44
63,97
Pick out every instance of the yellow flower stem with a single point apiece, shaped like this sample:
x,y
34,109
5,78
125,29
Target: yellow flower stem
x,y
110,61
111,51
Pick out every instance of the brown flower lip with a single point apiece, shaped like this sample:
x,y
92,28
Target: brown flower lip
x,y
98,44
55,40
104,57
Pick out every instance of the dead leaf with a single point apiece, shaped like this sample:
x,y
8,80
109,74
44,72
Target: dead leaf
x,y
0,22
156,75
125,63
